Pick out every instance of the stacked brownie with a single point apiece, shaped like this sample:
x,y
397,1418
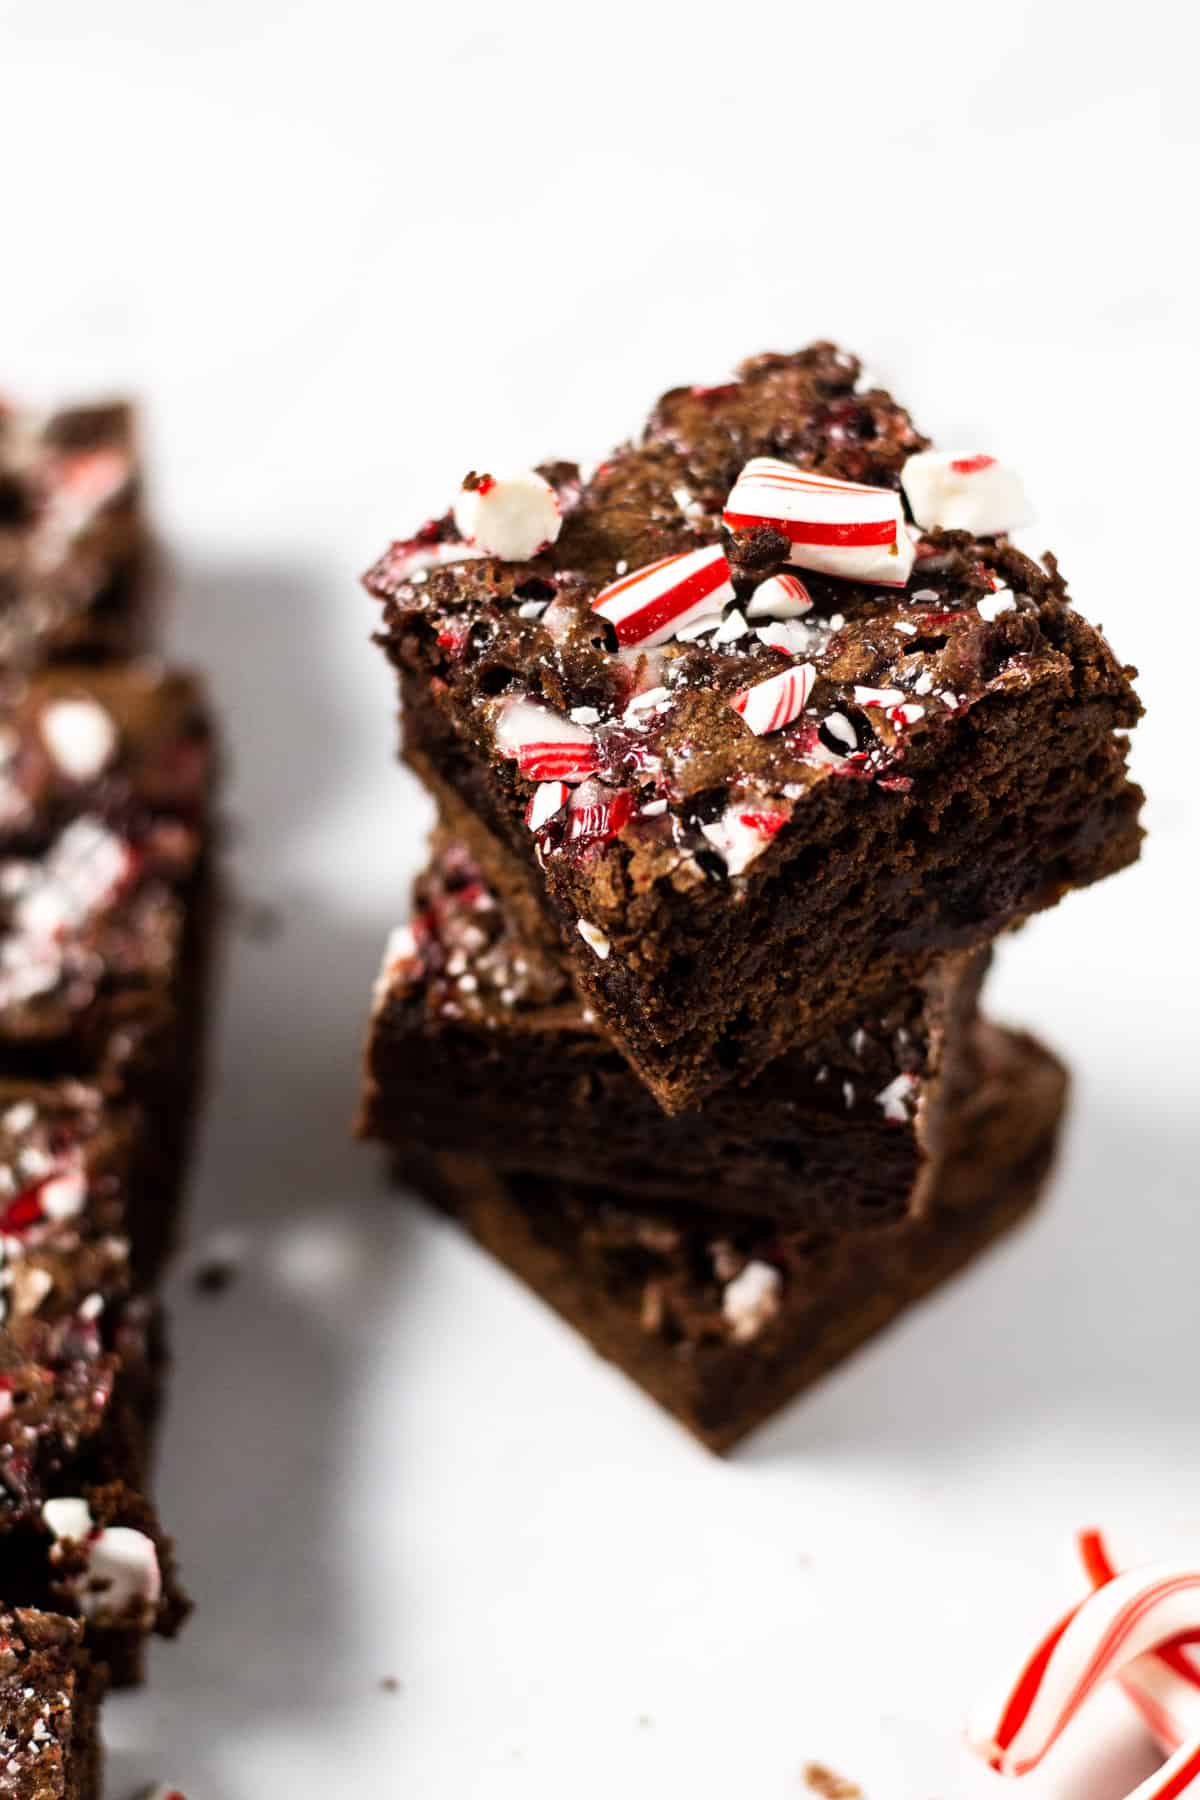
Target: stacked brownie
x,y
745,750
106,764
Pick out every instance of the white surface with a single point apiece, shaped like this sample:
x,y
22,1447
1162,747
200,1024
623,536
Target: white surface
x,y
338,251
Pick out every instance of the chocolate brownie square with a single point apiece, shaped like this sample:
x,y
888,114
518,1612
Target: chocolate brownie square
x,y
74,554
479,1044
724,1323
765,727
50,1694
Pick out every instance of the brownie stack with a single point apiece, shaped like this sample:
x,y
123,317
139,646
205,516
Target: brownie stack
x,y
105,843
744,750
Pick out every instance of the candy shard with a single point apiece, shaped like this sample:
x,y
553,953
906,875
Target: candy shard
x,y
965,493
649,606
510,516
546,745
770,705
779,597
835,527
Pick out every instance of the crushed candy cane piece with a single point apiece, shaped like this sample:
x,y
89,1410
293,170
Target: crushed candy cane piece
x,y
549,797
122,1583
594,938
992,605
509,516
870,696
741,834
770,705
836,527
546,745
964,493
779,597
897,1098
649,606
80,736
751,1300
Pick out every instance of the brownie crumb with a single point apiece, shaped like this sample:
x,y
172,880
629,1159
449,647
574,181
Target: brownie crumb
x,y
217,1267
823,1781
389,1685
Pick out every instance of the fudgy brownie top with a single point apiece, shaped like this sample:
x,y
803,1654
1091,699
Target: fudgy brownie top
x,y
40,1667
121,743
68,516
696,748
464,960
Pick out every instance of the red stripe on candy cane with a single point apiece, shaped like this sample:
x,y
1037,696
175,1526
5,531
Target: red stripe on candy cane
x,y
1119,1622
556,762
841,528
811,531
1164,1686
770,705
649,606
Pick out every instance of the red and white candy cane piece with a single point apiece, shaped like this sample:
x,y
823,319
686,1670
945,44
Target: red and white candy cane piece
x,y
779,597
649,606
770,705
742,833
965,493
1165,1685
1133,1614
549,797
836,527
546,745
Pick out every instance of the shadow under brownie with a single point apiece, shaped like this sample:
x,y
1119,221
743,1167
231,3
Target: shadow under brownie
x,y
722,1326
722,895
478,1044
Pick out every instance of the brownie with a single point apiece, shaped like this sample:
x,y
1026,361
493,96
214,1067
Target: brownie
x,y
74,555
948,755
722,1324
478,1044
107,901
50,1694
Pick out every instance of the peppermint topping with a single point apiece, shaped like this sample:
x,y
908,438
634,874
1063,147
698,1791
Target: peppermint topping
x,y
751,1300
512,517
741,834
869,696
594,938
83,870
841,730
649,606
780,597
547,746
770,705
898,1098
835,527
549,797
992,605
965,493
122,1582
80,737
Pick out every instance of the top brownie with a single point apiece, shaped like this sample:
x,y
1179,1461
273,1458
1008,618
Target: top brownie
x,y
73,550
759,787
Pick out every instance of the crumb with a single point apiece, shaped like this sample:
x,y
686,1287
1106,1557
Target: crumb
x,y
644,1720
258,920
218,1264
823,1781
390,1685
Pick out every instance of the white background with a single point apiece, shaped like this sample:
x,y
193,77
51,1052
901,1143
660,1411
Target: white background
x,y
344,254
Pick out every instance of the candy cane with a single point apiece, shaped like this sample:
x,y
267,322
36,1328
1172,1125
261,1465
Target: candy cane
x,y
1164,1686
836,527
546,745
770,705
1130,1615
649,606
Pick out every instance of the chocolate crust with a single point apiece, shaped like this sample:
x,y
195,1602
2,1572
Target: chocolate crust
x,y
478,1045
896,831
651,1290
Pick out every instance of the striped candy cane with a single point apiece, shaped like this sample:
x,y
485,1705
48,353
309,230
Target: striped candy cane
x,y
1164,1686
770,705
1128,1617
649,606
836,527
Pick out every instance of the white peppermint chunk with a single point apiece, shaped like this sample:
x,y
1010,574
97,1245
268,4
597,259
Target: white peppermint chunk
x,y
509,516
594,938
751,1300
67,1519
992,605
80,736
965,493
779,597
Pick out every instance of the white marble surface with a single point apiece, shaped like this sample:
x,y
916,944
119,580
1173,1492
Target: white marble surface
x,y
343,255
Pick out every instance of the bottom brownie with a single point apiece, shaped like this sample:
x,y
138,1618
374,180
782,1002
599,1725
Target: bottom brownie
x,y
723,1324
50,1693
